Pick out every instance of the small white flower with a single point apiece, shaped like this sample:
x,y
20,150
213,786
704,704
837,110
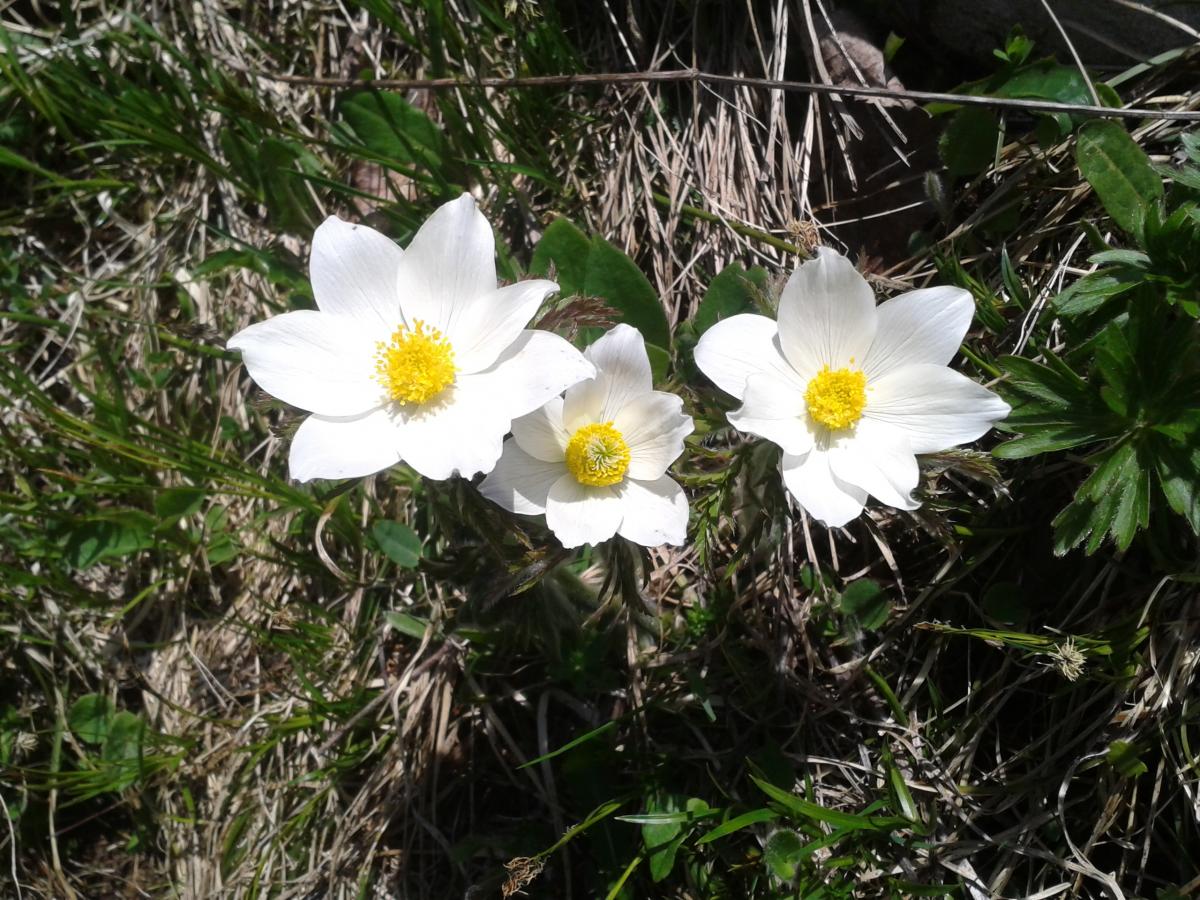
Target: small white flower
x,y
595,461
412,355
849,391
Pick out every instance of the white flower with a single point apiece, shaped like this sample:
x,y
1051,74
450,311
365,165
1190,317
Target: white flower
x,y
412,355
849,391
595,461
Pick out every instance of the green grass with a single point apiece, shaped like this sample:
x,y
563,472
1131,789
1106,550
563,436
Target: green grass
x,y
214,682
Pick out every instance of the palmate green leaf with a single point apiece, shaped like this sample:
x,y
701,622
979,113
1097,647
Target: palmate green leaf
x,y
1053,383
1178,469
1120,173
1046,439
1114,500
1092,291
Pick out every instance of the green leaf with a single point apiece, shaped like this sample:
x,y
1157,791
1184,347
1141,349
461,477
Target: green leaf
x,y
1093,291
737,823
613,277
817,813
1006,602
90,718
175,503
968,145
733,291
392,128
1119,172
406,623
398,542
123,742
566,248
1179,477
1123,757
782,853
867,602
116,534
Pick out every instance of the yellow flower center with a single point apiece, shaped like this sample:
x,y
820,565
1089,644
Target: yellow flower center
x,y
597,455
416,365
836,398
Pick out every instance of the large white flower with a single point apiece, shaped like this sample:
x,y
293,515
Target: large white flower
x,y
595,461
849,391
412,355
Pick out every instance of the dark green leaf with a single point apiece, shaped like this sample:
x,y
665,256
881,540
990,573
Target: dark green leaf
x,y
733,291
1006,602
613,277
175,503
737,823
867,602
782,852
399,543
116,534
1120,173
392,128
567,249
968,145
1123,757
406,623
123,742
1179,478
1093,291
90,718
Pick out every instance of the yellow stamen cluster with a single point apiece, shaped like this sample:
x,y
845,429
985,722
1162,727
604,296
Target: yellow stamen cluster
x,y
836,398
597,455
416,365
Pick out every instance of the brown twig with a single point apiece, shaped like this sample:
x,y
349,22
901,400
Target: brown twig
x,y
695,76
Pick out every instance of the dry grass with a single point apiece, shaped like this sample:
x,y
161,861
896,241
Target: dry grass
x,y
327,725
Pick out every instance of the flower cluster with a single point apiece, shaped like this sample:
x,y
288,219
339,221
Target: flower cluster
x,y
418,356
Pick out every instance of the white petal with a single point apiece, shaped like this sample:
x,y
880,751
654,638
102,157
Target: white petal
x,y
460,432
343,448
653,426
316,361
740,346
823,495
826,315
541,433
934,406
925,326
463,430
495,321
579,514
353,272
519,482
534,368
878,460
622,373
775,410
449,266
653,512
